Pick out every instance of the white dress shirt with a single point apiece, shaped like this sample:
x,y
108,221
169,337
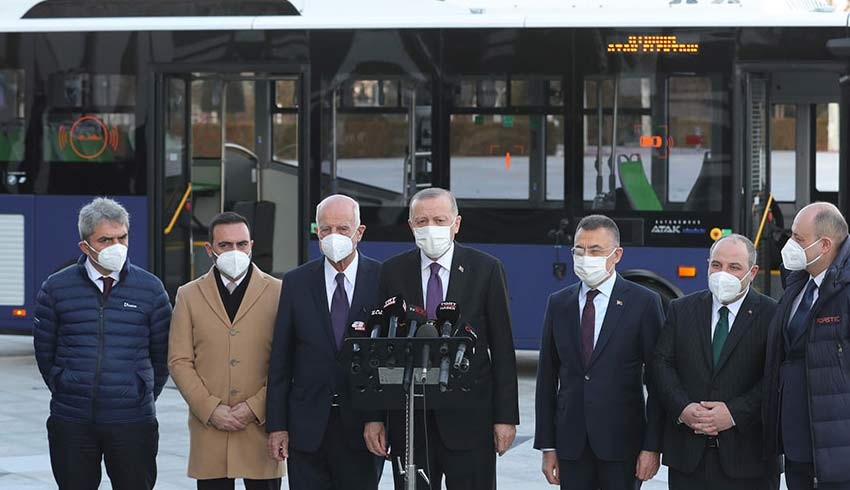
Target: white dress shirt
x,y
226,280
350,278
445,271
799,299
734,308
600,303
95,276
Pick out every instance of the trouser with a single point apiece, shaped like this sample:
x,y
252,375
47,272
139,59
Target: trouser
x,y
801,476
709,475
473,469
335,465
127,450
230,484
591,473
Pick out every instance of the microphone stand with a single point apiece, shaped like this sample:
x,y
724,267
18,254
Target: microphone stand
x,y
409,461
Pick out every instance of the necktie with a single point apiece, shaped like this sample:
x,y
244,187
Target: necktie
x,y
434,296
721,331
107,285
339,309
231,286
797,325
588,325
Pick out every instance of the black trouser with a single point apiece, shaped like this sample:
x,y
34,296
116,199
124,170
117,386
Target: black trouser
x,y
709,475
473,469
128,451
591,473
334,466
230,484
801,476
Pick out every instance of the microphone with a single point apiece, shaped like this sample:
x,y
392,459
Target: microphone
x,y
468,333
427,331
378,323
396,309
444,374
415,316
447,315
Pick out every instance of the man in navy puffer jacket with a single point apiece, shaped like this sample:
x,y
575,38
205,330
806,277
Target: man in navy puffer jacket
x,y
807,376
101,339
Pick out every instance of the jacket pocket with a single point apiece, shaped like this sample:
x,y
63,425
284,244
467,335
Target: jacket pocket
x,y
145,383
53,378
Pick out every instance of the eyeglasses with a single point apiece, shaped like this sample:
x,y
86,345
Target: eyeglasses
x,y
592,251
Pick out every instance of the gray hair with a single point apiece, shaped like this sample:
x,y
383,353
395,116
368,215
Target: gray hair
x,y
433,193
829,222
99,210
751,249
597,221
339,197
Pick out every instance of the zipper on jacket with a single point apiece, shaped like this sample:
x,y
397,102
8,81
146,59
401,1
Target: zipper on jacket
x,y
97,366
809,402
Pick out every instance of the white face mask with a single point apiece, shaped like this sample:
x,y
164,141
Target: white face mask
x,y
725,286
591,270
232,263
110,258
794,255
336,247
435,241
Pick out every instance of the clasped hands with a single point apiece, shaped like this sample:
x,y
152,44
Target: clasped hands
x,y
232,419
708,418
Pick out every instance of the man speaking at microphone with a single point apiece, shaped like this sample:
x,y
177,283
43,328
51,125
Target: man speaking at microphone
x,y
308,417
462,442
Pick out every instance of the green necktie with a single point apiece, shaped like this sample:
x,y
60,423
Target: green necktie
x,y
721,331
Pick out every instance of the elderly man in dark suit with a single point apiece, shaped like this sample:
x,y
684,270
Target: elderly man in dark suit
x,y
709,369
462,442
308,417
593,426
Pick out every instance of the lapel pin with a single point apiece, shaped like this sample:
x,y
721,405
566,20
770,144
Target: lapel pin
x,y
619,302
460,268
749,312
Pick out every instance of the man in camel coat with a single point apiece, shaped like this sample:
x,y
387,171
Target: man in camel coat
x,y
219,347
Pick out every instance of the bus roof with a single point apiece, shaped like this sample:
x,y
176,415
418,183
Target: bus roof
x,y
417,14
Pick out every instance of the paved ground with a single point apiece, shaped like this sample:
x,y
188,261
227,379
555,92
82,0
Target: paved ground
x,y
25,465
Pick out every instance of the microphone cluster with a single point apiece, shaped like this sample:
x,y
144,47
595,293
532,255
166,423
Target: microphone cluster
x,y
398,319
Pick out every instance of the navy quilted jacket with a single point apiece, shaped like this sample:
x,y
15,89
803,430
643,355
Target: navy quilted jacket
x,y
828,365
104,362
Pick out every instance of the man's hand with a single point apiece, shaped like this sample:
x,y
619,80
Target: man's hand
x,y
222,419
376,438
503,437
647,465
715,419
243,413
693,414
551,470
278,445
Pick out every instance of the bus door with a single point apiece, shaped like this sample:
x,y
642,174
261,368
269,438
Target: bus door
x,y
791,154
228,142
380,139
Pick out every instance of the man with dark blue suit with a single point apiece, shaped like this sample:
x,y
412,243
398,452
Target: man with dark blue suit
x,y
308,415
807,373
594,427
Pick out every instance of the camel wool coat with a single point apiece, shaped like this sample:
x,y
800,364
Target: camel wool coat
x,y
214,361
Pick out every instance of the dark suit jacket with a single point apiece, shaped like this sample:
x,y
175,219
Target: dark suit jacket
x,y
684,373
304,372
605,402
477,285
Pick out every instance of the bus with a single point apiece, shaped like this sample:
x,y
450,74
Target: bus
x,y
680,120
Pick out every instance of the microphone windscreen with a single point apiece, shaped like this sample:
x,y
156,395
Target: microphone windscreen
x,y
447,311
